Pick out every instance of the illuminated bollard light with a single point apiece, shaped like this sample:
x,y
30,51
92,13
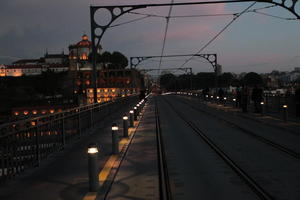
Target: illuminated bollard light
x,y
262,105
135,113
115,139
225,98
92,165
125,126
285,113
138,106
131,120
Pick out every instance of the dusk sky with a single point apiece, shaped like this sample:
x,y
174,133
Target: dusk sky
x,y
254,42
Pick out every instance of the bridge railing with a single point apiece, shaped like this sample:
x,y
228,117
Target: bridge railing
x,y
273,104
25,143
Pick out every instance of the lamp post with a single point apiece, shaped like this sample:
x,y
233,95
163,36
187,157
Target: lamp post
x,y
131,120
285,112
92,165
135,113
262,105
115,139
125,126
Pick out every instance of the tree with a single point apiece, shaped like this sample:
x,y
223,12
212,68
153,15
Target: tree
x,y
105,58
118,60
167,81
225,79
252,78
204,80
98,57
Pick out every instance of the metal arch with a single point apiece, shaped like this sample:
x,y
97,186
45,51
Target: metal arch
x,y
127,8
112,10
283,4
211,58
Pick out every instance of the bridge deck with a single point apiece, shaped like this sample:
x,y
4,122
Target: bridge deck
x,y
263,147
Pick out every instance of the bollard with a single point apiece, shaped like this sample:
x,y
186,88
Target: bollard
x,y
125,126
138,109
131,121
225,101
135,113
115,139
262,106
285,113
92,165
234,102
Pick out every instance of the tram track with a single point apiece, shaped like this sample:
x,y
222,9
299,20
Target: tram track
x,y
164,180
260,138
255,187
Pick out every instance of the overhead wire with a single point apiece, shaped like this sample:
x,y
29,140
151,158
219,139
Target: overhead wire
x,y
219,33
165,34
130,21
204,15
274,16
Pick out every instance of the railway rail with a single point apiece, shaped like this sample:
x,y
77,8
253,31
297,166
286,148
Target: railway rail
x,y
164,181
260,138
253,185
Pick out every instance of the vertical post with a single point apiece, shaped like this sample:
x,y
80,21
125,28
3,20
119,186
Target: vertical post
x,y
262,106
91,116
37,146
131,120
135,113
94,53
63,136
138,108
92,165
267,103
285,112
125,126
225,98
115,139
79,124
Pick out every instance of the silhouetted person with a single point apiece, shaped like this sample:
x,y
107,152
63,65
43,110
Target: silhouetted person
x,y
257,98
297,101
238,97
221,94
245,94
205,93
142,94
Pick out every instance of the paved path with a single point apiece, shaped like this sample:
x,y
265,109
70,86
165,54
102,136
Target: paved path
x,y
137,177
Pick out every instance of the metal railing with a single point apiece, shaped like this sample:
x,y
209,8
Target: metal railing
x,y
273,104
25,143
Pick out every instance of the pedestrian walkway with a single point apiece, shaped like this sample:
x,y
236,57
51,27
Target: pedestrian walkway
x,y
137,177
64,175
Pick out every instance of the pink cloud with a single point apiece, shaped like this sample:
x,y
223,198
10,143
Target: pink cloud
x,y
190,32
